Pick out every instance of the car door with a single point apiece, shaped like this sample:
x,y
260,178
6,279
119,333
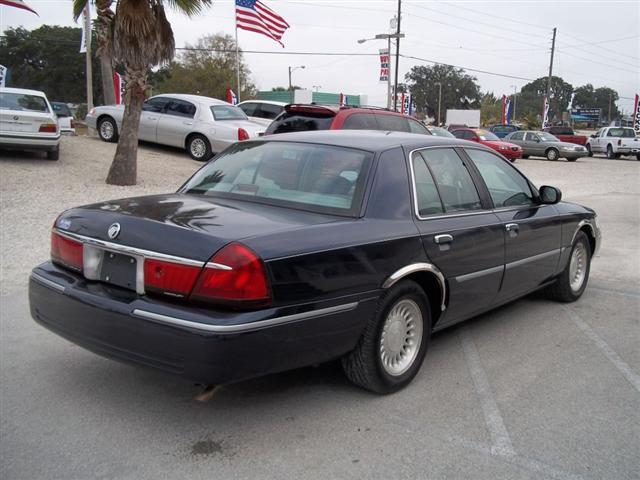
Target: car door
x,y
517,138
596,143
532,144
532,230
176,123
151,111
459,233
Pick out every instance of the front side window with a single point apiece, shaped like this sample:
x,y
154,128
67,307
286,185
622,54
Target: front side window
x,y
317,178
507,187
23,102
249,108
454,183
531,137
269,111
517,136
227,112
360,121
459,133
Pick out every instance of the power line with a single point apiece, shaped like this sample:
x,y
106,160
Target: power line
x,y
614,67
467,68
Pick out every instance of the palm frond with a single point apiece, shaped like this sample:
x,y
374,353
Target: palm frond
x,y
188,7
78,7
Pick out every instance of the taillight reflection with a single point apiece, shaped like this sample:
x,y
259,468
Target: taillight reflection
x,y
66,252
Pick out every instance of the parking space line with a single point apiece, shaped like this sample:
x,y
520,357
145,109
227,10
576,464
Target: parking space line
x,y
632,377
501,442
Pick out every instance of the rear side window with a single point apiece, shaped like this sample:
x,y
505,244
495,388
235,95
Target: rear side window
x,y
155,104
427,197
458,133
517,136
454,183
180,108
299,122
61,109
227,112
394,123
417,127
268,111
23,102
360,121
249,108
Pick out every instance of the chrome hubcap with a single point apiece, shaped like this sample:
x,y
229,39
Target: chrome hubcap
x,y
198,148
578,267
552,154
401,337
106,130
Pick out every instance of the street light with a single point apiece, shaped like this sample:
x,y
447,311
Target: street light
x,y
439,99
515,88
387,37
316,87
293,69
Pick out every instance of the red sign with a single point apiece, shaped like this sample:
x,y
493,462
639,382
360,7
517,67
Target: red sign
x,y
118,86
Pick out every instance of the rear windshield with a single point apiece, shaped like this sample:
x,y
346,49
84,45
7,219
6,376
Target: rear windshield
x,y
23,102
561,130
227,112
486,135
504,128
61,109
315,178
621,132
300,122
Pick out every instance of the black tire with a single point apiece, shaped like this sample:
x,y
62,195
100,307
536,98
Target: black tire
x,y
364,365
561,290
589,152
638,157
610,154
525,156
108,130
571,159
199,147
552,154
53,154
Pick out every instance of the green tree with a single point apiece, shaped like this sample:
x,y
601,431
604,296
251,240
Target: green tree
x,y
490,109
459,90
603,97
207,68
47,59
531,97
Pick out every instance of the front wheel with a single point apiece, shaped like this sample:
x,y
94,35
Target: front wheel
x,y
394,343
199,148
552,154
589,151
572,282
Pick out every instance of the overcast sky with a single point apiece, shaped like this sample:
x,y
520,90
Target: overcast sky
x,y
598,42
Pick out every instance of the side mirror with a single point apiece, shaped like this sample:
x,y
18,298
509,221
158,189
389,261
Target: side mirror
x,y
536,139
593,135
550,195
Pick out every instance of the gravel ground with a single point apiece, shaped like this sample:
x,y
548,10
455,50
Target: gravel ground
x,y
532,390
33,191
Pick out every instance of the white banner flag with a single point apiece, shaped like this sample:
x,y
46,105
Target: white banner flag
x,y
85,37
3,75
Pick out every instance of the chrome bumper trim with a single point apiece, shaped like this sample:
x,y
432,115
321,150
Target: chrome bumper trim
x,y
245,327
47,283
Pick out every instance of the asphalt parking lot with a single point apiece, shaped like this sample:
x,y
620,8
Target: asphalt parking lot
x,y
533,390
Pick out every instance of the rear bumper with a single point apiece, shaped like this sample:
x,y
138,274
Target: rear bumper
x,y
628,150
29,142
203,345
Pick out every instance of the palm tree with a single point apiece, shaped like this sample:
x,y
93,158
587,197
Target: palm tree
x,y
139,37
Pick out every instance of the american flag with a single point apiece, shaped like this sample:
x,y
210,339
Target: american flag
x,y
18,4
255,16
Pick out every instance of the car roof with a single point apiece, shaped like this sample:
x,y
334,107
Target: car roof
x,y
371,140
268,102
22,90
193,98
336,109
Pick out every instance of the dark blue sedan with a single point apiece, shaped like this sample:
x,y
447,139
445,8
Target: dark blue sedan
x,y
307,247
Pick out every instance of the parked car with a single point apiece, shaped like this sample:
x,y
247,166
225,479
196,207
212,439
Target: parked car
x,y
262,111
456,126
566,134
27,122
440,132
614,142
201,125
303,117
502,130
543,144
65,117
485,137
300,248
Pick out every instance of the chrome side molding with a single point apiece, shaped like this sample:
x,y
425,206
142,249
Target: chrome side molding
x,y
419,267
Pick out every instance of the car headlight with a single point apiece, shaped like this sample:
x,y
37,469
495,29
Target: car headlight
x,y
503,147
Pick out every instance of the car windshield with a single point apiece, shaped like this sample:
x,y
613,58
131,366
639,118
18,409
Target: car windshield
x,y
227,112
316,178
296,121
486,135
441,132
23,102
547,137
621,132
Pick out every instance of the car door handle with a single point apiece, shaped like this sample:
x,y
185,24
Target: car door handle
x,y
151,118
445,238
188,123
512,228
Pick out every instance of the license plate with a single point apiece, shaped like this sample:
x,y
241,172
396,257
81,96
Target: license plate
x,y
17,127
119,269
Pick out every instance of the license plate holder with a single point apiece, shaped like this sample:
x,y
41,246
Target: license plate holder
x,y
118,269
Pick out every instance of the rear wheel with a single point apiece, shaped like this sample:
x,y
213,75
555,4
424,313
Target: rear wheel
x,y
589,152
552,154
199,147
610,154
573,280
392,348
108,130
571,159
638,157
54,154
525,156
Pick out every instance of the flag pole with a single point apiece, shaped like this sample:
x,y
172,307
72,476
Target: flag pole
x,y
89,76
237,62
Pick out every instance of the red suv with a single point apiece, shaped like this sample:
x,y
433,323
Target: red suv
x,y
298,118
485,137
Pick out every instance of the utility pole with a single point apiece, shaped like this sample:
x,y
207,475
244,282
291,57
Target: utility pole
x,y
553,49
515,94
439,100
87,30
395,83
609,114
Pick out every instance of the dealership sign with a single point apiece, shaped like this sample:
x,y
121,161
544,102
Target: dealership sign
x,y
636,115
384,64
586,114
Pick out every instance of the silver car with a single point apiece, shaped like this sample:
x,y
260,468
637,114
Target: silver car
x,y
201,125
262,111
543,144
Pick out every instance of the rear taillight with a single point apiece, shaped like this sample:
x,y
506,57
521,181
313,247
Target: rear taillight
x,y
48,128
174,279
242,134
66,252
72,124
234,276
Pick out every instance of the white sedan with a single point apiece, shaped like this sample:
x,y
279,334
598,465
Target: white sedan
x,y
27,122
201,125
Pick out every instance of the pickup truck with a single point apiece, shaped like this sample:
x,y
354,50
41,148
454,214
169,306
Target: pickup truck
x,y
615,142
566,134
